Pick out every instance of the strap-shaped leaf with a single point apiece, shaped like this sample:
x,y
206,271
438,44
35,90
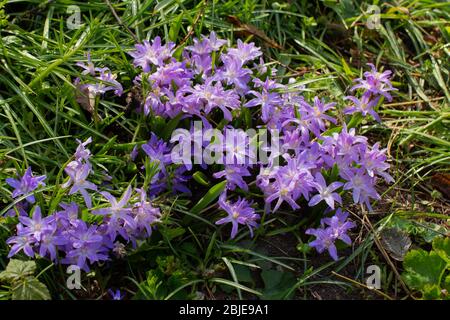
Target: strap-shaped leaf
x,y
209,197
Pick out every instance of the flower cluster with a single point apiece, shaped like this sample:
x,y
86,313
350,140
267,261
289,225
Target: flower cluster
x,y
78,171
319,160
359,165
25,185
64,237
159,152
203,82
374,85
105,80
332,229
214,76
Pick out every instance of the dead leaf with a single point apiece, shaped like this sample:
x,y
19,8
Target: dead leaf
x,y
441,181
396,242
85,98
251,30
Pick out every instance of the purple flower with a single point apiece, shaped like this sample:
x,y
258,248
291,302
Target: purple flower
x,y
347,143
84,235
158,184
70,209
214,43
89,68
93,252
26,184
338,226
238,147
35,226
66,217
233,174
116,295
202,64
324,241
158,152
214,96
36,232
268,84
292,140
21,242
78,173
201,47
360,184
297,172
81,153
84,243
108,83
375,82
343,149
145,215
233,73
283,190
239,212
183,141
267,100
325,192
179,180
147,54
317,116
312,156
19,209
260,67
245,52
50,242
153,103
364,105
118,210
207,45
134,153
171,73
374,161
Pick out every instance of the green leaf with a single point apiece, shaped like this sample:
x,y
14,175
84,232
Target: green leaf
x,y
430,231
344,8
201,178
17,270
355,120
442,248
334,174
423,269
175,28
346,68
243,274
171,126
447,283
304,248
233,275
235,285
277,284
30,289
209,197
173,233
111,142
431,292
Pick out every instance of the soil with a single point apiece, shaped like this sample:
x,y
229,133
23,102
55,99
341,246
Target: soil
x,y
285,245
